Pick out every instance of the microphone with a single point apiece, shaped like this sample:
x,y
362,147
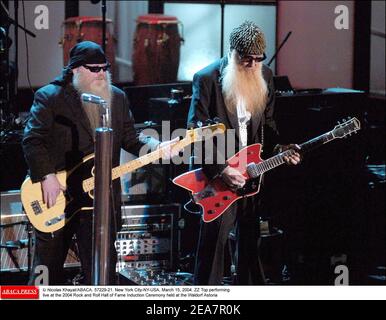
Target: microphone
x,y
86,97
106,117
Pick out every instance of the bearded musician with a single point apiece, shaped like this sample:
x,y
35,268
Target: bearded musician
x,y
59,134
237,89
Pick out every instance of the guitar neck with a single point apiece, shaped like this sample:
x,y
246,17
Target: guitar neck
x,y
255,170
133,165
316,142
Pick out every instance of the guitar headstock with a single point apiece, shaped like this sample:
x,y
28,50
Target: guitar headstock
x,y
202,133
346,128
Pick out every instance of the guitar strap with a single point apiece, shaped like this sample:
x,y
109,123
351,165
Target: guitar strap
x,y
262,145
262,131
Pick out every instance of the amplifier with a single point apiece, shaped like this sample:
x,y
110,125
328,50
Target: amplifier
x,y
15,241
150,277
13,167
148,238
165,109
139,96
147,184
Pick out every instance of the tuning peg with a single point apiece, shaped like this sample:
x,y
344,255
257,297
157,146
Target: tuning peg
x,y
199,124
338,122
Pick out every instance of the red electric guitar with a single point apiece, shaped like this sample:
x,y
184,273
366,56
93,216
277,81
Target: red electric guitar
x,y
214,196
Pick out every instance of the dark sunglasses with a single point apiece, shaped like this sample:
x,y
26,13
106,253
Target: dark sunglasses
x,y
250,59
96,69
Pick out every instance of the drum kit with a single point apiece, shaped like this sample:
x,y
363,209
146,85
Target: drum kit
x,y
156,47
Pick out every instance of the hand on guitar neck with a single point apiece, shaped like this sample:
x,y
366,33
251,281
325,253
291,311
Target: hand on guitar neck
x,y
51,188
294,158
168,148
235,180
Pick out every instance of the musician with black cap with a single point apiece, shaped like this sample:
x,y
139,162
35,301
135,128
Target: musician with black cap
x,y
238,89
60,133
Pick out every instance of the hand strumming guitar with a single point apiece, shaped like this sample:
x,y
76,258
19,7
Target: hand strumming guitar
x,y
51,188
233,178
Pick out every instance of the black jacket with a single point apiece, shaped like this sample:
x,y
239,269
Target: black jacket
x,y
208,103
58,133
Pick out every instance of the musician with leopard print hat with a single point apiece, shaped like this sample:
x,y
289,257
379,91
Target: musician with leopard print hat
x,y
238,90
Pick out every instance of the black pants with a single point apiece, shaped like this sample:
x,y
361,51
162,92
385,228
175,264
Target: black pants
x,y
51,250
213,241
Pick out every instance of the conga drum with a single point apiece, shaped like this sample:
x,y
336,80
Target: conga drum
x,y
156,54
78,29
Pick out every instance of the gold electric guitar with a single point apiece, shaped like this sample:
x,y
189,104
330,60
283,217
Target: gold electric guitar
x,y
79,183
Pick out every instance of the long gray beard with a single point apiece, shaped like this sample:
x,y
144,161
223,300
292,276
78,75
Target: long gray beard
x,y
104,91
244,87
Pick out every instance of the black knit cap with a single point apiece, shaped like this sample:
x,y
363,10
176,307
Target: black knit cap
x,y
86,52
248,39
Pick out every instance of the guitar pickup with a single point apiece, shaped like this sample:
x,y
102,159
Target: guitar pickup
x,y
206,193
37,209
55,220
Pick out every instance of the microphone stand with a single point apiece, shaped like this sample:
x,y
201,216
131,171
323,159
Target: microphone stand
x,y
222,28
12,21
102,215
16,46
278,49
104,25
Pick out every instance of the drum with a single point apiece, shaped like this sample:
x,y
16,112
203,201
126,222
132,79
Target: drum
x,y
78,29
156,54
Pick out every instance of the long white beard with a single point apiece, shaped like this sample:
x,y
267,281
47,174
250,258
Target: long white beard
x,y
99,88
244,87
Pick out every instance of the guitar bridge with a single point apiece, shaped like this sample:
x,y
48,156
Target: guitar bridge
x,y
55,220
